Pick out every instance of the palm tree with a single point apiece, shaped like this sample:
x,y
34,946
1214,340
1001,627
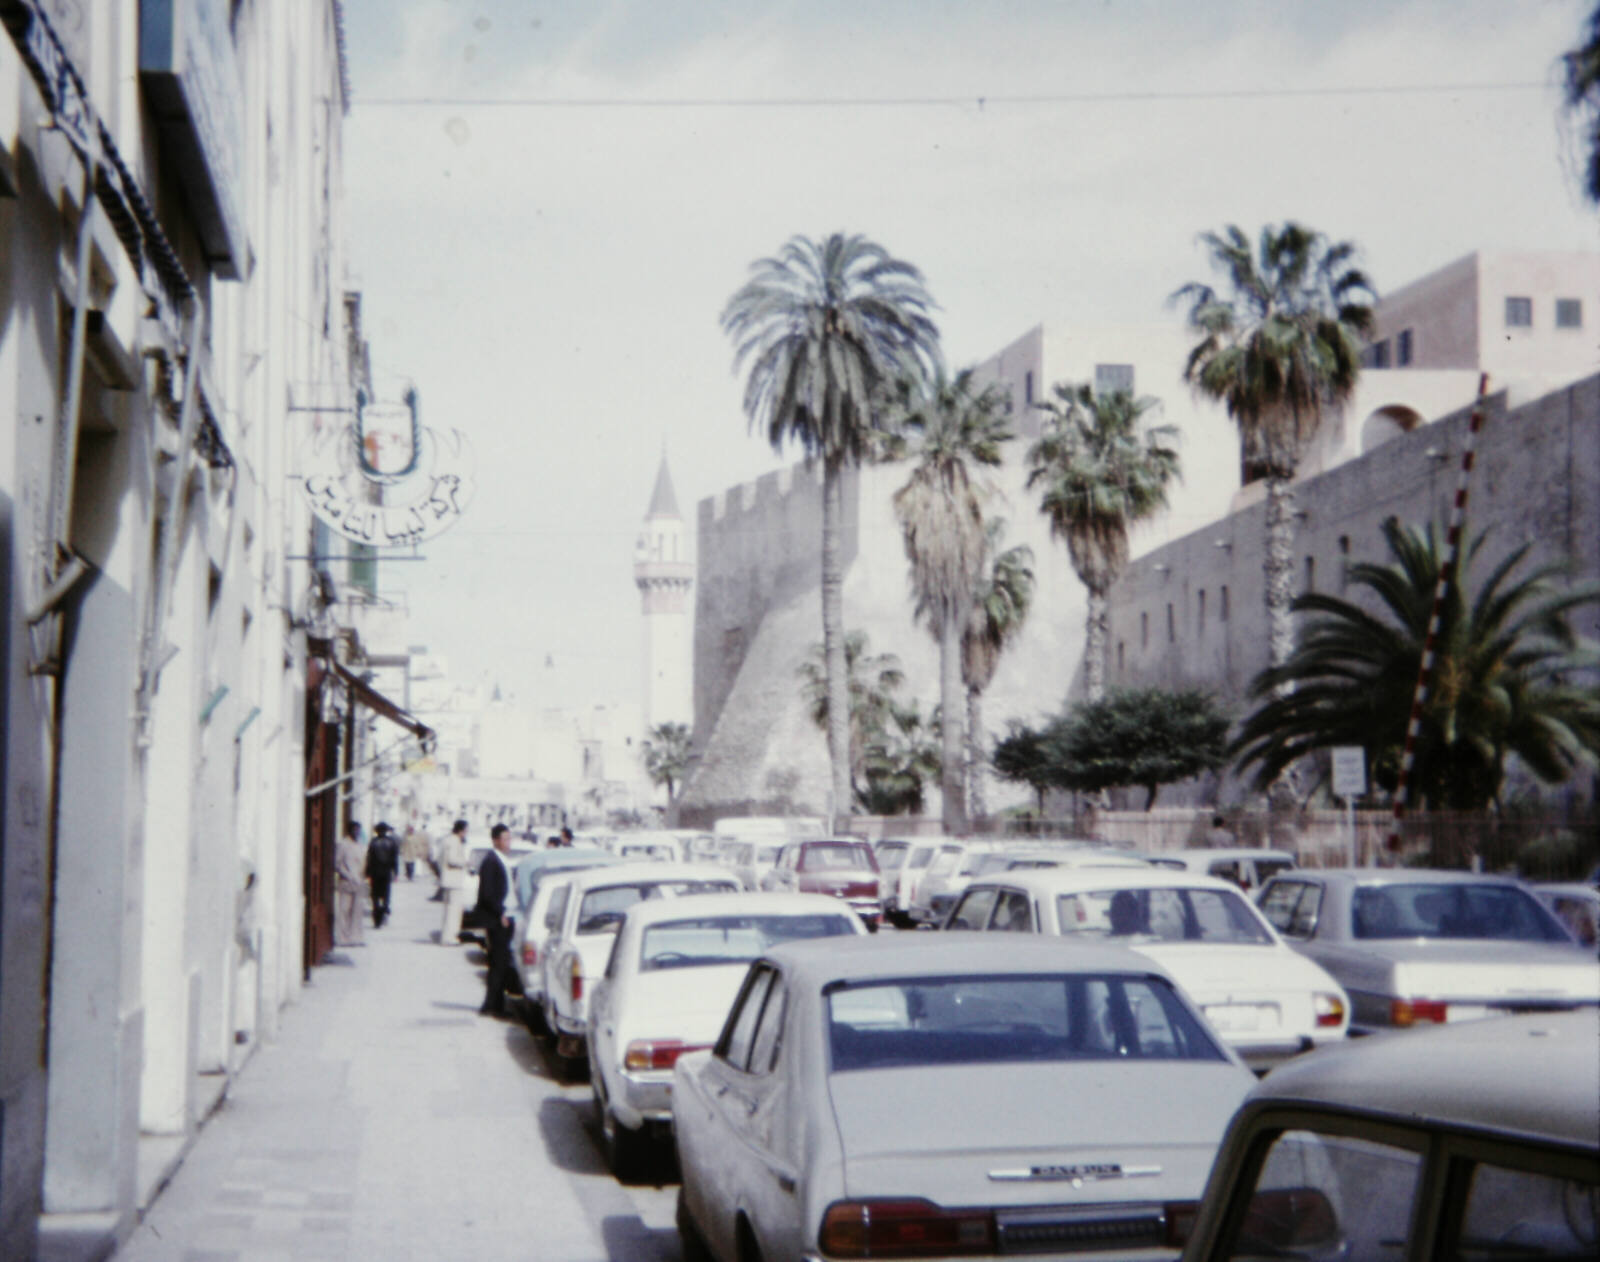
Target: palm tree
x,y
1000,606
666,756
1581,72
898,761
825,326
1099,469
955,426
1500,679
1281,346
871,681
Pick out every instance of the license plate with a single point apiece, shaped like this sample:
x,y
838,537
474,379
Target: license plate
x,y
1234,1018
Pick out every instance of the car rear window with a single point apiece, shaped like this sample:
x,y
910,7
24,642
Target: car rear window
x,y
891,855
832,857
920,858
1451,911
1163,915
1011,1018
602,909
710,940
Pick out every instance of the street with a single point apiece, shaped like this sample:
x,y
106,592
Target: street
x,y
387,1119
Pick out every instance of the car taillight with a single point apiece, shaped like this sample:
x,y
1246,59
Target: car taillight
x,y
657,1053
904,1229
577,978
1329,1009
530,954
1409,1011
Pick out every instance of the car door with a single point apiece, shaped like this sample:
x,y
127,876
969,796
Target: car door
x,y
773,1201
973,908
1013,913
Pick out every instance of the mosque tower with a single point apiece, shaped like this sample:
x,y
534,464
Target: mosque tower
x,y
665,576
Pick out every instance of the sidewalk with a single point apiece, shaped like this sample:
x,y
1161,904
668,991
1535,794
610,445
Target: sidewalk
x,y
389,1120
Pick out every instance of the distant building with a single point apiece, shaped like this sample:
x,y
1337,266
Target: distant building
x,y
663,570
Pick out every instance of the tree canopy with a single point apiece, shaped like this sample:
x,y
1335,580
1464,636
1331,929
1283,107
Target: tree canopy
x,y
1510,676
1146,737
1581,89
666,756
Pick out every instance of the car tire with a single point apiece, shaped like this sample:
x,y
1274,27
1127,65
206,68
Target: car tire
x,y
691,1244
627,1152
535,1017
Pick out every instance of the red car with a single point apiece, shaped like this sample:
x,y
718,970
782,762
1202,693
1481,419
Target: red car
x,y
839,867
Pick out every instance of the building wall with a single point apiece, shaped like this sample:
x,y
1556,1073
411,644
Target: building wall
x,y
1536,482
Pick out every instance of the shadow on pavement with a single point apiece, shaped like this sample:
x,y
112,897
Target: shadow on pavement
x,y
565,1127
627,1239
527,1052
464,1007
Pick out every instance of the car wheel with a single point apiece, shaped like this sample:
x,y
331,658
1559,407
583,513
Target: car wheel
x,y
626,1151
691,1244
749,1250
535,1017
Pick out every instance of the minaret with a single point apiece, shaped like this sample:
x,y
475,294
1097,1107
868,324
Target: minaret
x,y
665,576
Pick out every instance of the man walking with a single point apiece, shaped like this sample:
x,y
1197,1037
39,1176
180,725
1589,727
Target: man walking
x,y
383,859
494,882
453,881
414,848
349,869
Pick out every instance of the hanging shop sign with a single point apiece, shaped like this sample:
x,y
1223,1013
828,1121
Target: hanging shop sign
x,y
191,78
48,34
385,480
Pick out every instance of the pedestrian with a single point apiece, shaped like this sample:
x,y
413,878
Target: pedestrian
x,y
414,849
453,880
566,837
350,870
383,860
494,883
1219,837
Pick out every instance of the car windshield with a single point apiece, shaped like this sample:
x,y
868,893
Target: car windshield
x,y
1011,1018
920,858
709,940
1266,869
768,854
1163,915
1451,911
982,865
891,855
602,909
834,857
1029,865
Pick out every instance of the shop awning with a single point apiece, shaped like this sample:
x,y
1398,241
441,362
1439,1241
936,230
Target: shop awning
x,y
365,694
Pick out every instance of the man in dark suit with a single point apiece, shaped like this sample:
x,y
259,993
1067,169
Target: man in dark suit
x,y
383,857
494,883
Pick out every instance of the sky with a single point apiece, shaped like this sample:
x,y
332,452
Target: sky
x,y
548,206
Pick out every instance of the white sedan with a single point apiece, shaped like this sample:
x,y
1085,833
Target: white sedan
x,y
1080,1097
575,954
1266,1000
672,976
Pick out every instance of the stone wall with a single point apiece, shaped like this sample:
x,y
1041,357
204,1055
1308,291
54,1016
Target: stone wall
x,y
1191,613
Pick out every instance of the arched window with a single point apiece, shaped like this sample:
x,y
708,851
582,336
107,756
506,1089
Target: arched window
x,y
1386,423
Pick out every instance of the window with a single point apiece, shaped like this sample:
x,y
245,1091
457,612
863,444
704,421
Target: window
x,y
1278,903
1424,910
1222,612
1520,1213
1120,656
1402,349
1144,630
973,910
1013,913
764,1049
709,941
1519,313
1311,574
1376,355
734,1045
1163,914
1027,386
1201,609
1109,378
1322,1195
1569,313
1172,625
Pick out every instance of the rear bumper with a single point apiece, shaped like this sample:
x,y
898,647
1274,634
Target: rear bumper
x,y
639,1101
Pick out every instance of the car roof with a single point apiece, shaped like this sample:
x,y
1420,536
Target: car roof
x,y
1534,1075
1572,889
744,904
1398,876
1224,854
1047,881
624,873
817,963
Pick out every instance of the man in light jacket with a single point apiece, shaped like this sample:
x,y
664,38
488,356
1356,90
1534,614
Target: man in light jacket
x,y
453,881
350,879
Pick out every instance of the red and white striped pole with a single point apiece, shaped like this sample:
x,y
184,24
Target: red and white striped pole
x,y
1441,589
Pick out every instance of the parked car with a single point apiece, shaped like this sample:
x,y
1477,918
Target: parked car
x,y
944,885
668,985
900,865
752,860
1264,999
575,953
1247,868
1412,946
913,1097
836,866
1576,905
475,857
535,881
1477,1142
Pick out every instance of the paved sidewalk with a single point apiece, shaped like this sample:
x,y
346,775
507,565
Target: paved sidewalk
x,y
388,1120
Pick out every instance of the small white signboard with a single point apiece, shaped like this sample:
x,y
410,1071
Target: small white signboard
x,y
1349,771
